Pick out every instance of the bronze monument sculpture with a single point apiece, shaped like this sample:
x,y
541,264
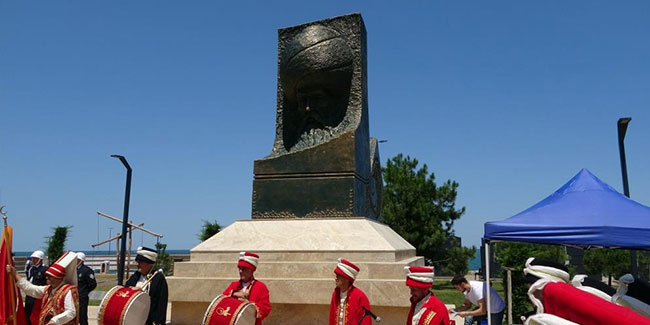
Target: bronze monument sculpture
x,y
321,163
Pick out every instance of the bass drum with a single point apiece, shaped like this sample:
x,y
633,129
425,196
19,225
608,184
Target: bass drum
x,y
124,306
225,310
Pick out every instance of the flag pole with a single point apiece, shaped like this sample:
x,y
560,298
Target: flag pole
x,y
7,234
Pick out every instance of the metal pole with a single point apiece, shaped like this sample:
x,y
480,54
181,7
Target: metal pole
x,y
117,255
132,225
487,280
110,232
125,220
509,296
622,129
128,262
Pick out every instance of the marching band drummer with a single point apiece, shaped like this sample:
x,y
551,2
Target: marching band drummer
x,y
60,300
152,282
248,288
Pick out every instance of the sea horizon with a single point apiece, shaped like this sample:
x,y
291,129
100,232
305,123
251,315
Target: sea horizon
x,y
105,252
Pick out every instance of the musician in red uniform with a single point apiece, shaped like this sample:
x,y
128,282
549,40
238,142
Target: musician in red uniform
x,y
248,288
426,309
349,304
60,300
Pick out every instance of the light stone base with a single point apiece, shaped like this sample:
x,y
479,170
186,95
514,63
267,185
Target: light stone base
x,y
303,314
297,261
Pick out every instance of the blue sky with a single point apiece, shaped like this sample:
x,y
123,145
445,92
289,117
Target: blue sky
x,y
510,99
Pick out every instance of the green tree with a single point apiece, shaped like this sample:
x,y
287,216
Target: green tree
x,y
209,229
458,260
608,262
164,261
56,242
514,256
417,208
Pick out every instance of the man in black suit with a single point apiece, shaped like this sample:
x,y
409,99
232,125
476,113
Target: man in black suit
x,y
85,283
36,275
152,282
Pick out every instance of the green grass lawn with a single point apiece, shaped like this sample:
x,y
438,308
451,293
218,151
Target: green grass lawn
x,y
105,281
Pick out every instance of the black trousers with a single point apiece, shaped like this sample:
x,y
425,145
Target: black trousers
x,y
29,306
83,310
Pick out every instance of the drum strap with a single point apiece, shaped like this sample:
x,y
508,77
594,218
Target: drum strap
x,y
241,286
147,284
54,303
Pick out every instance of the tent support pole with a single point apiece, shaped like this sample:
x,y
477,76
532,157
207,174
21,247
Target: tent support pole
x,y
487,280
509,296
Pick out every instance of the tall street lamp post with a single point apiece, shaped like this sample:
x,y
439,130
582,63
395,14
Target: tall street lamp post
x,y
125,219
622,129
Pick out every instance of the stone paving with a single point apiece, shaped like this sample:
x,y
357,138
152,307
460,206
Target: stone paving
x,y
94,310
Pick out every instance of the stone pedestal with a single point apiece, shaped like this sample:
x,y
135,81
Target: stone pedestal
x,y
297,261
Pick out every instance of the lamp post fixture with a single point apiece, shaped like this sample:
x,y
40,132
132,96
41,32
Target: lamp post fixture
x,y
125,219
622,129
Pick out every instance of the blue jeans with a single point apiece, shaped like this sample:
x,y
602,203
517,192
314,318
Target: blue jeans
x,y
496,318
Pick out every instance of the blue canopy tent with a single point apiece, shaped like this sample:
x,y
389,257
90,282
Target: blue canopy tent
x,y
584,212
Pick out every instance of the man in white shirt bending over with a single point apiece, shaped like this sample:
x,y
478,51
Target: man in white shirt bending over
x,y
475,293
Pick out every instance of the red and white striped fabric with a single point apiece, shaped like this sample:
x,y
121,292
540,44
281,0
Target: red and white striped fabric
x,y
248,260
347,269
56,271
64,268
419,276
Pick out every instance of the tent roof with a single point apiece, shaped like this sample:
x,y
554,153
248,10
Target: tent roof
x,y
583,212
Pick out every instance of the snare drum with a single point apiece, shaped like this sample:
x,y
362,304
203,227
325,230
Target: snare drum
x,y
124,306
226,310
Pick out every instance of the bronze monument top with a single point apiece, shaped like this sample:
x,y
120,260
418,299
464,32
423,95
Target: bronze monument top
x,y
320,164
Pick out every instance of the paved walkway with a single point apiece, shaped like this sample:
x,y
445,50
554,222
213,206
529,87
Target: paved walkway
x,y
94,310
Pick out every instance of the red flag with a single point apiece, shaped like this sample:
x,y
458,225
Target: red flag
x,y
11,302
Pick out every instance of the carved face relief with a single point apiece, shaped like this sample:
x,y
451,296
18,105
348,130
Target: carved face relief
x,y
313,106
315,72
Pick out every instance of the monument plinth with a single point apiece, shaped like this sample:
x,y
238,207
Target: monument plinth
x,y
316,196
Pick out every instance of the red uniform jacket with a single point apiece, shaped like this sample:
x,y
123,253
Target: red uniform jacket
x,y
353,312
258,294
566,301
435,313
54,305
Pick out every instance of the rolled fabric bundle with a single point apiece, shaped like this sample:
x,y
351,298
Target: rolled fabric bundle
x,y
547,319
570,303
636,288
633,294
595,287
537,268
